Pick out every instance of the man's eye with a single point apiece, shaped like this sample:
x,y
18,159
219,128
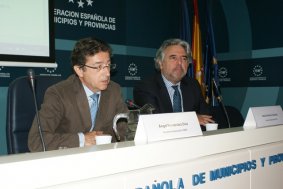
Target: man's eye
x,y
173,58
185,59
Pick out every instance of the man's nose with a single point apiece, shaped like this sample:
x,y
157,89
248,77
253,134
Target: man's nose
x,y
106,71
180,60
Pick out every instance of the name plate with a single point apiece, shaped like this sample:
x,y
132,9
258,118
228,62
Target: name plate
x,y
263,117
157,127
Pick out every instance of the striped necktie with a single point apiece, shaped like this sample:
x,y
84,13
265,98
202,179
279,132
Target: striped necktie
x,y
93,109
176,99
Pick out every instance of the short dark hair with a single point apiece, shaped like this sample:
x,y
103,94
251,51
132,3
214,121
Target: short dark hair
x,y
88,47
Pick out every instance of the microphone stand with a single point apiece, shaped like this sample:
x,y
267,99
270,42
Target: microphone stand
x,y
219,98
31,77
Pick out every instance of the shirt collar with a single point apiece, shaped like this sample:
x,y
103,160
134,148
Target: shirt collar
x,y
89,92
168,83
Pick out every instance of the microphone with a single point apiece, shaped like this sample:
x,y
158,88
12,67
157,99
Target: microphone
x,y
131,104
220,100
31,77
146,109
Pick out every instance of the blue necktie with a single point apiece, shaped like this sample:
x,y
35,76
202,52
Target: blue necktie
x,y
176,100
93,109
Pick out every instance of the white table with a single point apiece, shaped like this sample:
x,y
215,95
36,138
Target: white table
x,y
190,162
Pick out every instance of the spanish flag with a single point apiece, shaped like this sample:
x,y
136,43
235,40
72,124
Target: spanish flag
x,y
197,48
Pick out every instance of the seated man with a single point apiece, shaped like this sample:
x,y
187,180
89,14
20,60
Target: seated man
x,y
68,113
170,90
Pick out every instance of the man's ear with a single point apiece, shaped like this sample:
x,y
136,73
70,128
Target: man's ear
x,y
160,64
78,70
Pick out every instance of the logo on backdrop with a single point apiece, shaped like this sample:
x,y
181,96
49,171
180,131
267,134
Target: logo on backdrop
x,y
50,72
3,74
223,73
257,72
132,70
84,16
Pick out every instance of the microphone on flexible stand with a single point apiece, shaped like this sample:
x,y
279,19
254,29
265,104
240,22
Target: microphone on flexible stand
x,y
146,109
131,104
31,77
219,98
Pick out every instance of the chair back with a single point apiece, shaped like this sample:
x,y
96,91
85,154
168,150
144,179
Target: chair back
x,y
235,117
21,110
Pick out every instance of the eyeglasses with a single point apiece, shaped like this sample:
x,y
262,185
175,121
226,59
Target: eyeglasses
x,y
101,67
183,59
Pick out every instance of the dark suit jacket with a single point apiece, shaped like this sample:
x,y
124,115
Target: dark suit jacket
x,y
154,91
65,112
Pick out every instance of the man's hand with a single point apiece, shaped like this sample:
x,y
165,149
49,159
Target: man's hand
x,y
90,137
204,119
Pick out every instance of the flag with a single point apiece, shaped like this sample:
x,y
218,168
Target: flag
x,y
185,30
197,48
211,66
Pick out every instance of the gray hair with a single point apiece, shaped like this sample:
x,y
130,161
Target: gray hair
x,y
169,42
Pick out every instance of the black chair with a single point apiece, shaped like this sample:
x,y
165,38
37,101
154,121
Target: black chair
x,y
235,117
21,110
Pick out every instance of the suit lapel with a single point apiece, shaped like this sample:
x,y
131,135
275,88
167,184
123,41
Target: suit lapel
x,y
164,96
186,95
82,104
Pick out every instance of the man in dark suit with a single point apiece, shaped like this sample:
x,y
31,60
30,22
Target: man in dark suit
x,y
172,61
65,114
